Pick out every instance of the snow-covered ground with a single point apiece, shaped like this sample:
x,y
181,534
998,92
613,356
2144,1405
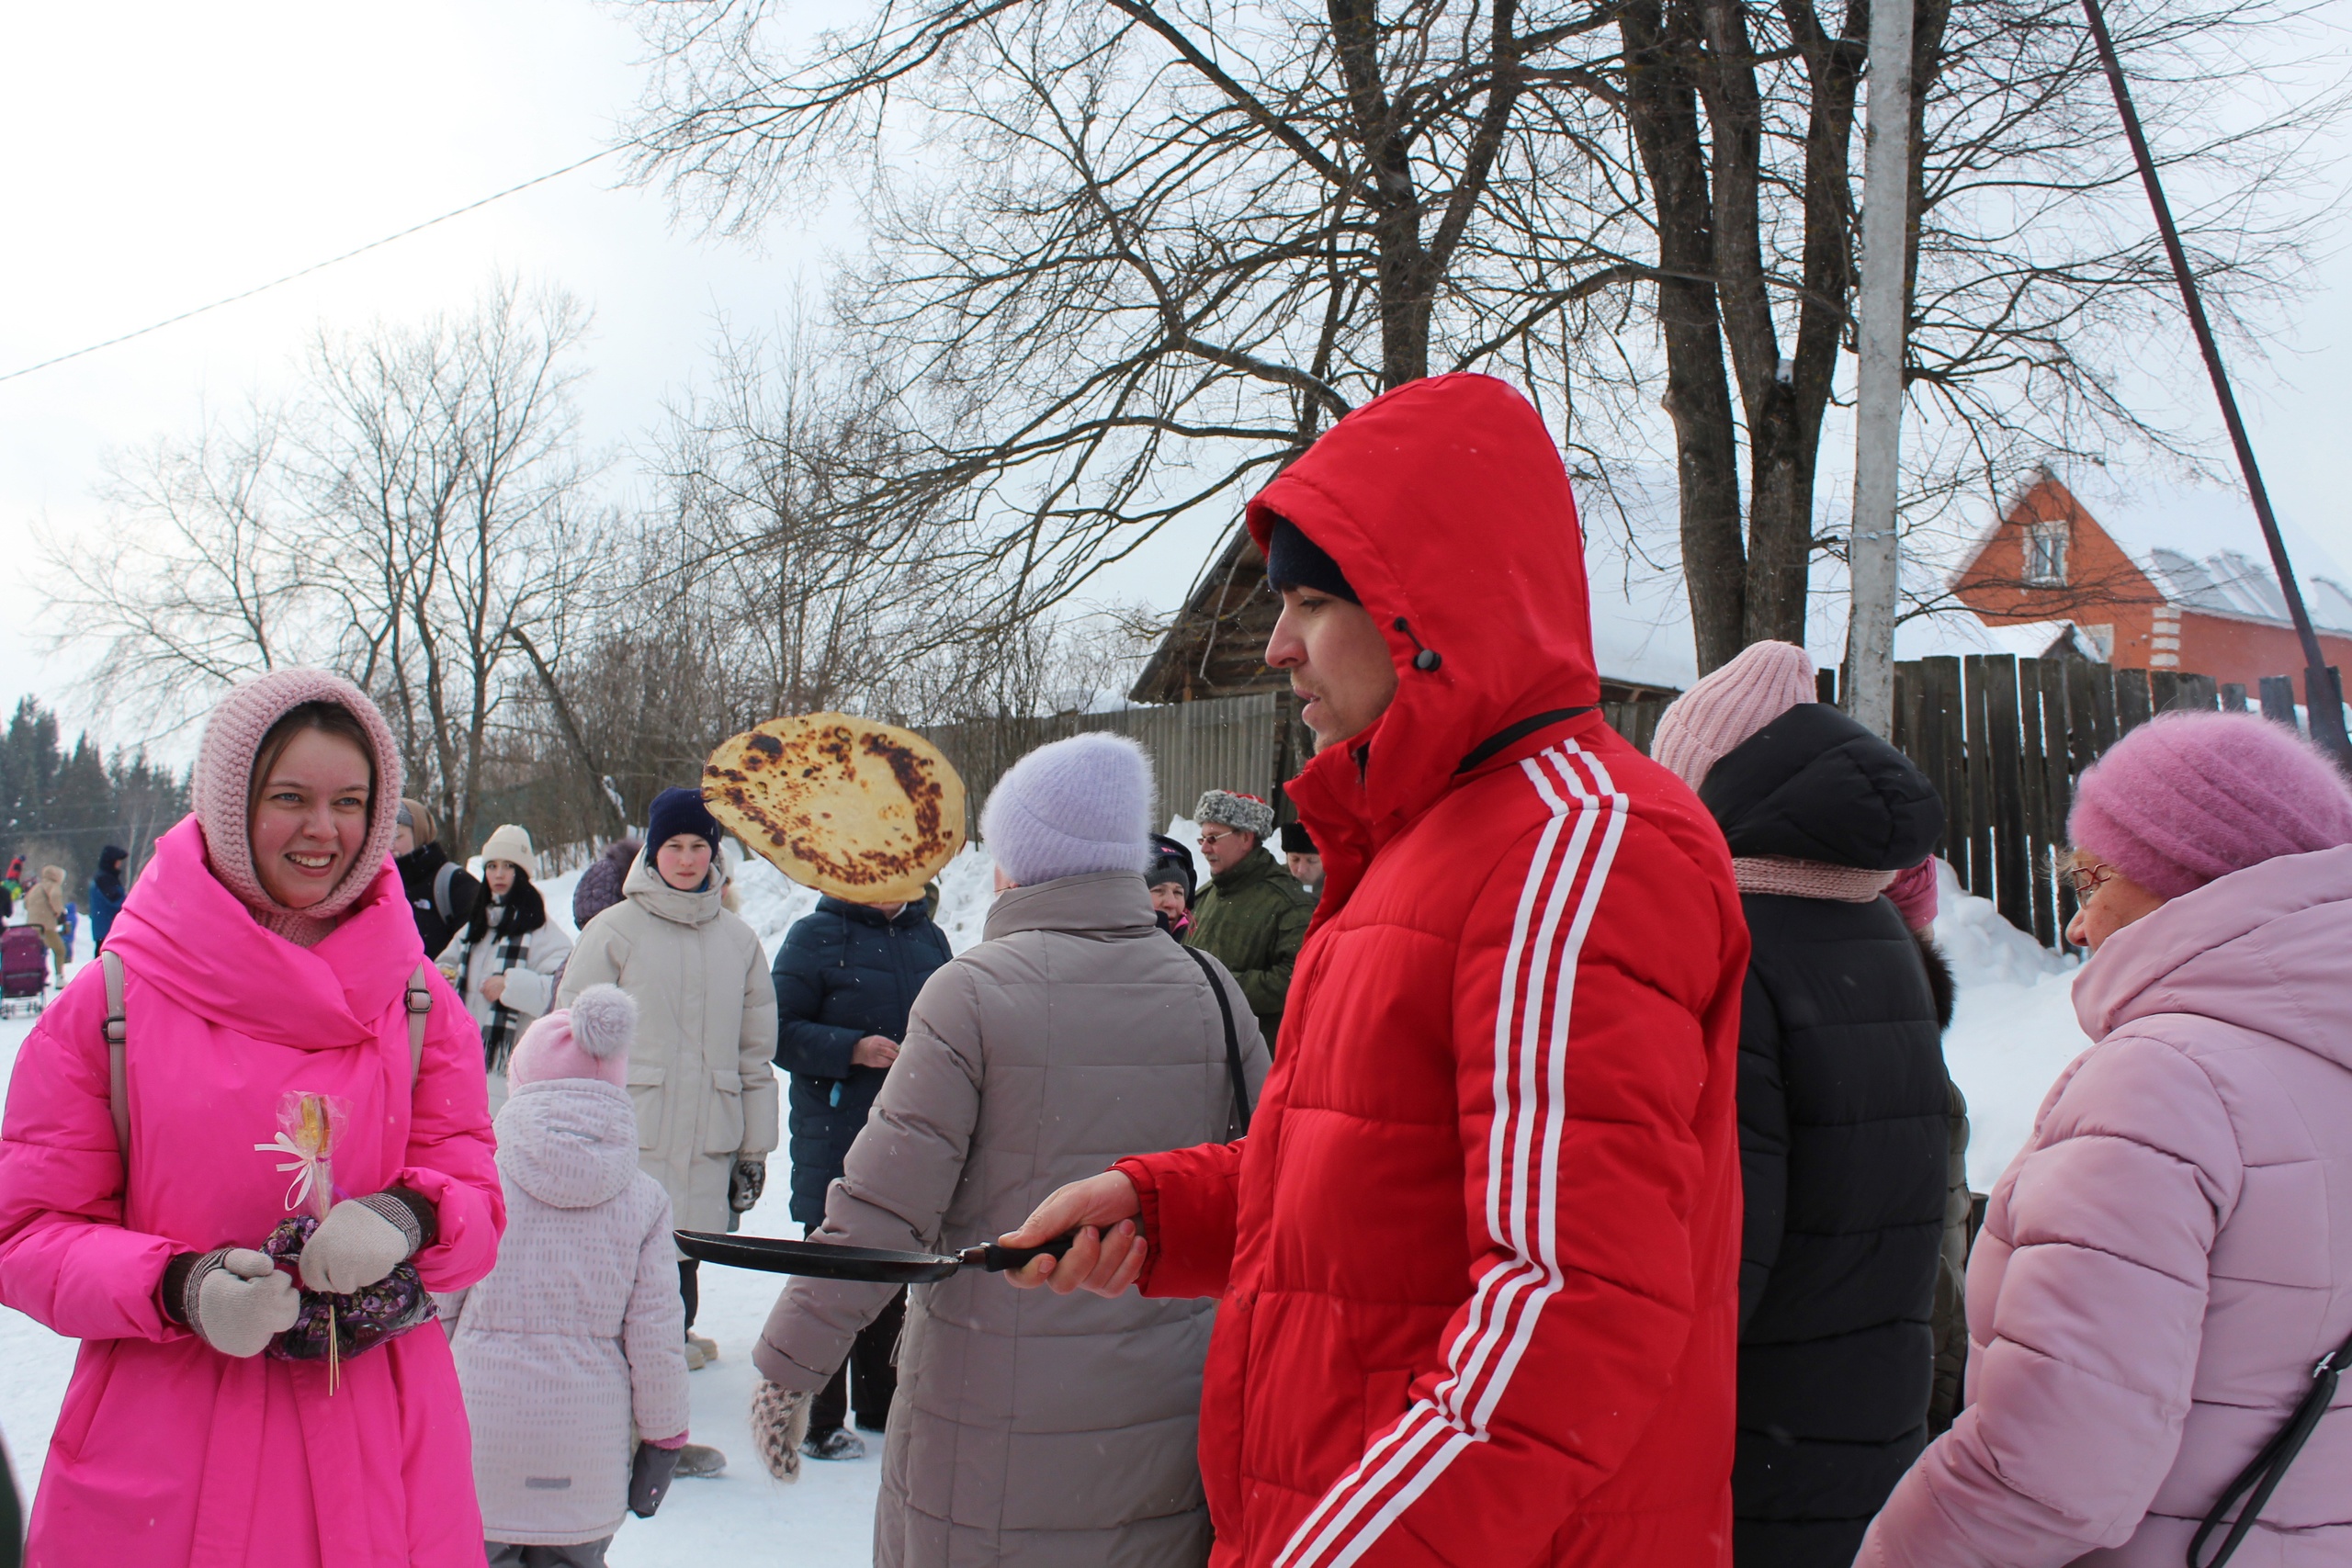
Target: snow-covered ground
x,y
2014,1031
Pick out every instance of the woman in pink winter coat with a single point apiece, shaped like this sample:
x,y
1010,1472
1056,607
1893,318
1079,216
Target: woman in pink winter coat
x,y
2171,1253
268,950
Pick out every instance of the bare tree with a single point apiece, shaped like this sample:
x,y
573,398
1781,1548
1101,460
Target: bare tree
x,y
1132,257
1158,246
418,516
214,588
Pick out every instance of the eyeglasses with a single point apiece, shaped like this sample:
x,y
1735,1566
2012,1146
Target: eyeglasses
x,y
1210,841
2086,880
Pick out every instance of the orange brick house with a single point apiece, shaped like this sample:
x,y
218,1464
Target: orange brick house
x,y
2178,582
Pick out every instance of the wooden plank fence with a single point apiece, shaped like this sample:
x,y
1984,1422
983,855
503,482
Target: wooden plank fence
x,y
2002,739
1249,743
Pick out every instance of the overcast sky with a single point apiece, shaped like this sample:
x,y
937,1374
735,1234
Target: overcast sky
x,y
161,156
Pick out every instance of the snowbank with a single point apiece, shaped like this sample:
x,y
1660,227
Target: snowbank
x,y
2013,1027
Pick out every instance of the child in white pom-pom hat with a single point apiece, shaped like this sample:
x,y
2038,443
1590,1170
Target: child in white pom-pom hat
x,y
571,1353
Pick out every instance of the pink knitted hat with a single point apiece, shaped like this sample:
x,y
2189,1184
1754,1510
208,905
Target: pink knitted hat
x,y
1707,722
1913,896
590,1039
223,783
2187,797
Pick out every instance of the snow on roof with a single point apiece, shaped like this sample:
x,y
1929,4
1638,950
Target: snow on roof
x,y
1632,561
1954,634
2202,547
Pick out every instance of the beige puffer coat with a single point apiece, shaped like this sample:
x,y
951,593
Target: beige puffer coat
x,y
45,899
700,1072
1057,1431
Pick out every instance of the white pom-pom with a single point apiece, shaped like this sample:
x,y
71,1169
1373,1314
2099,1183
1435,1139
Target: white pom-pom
x,y
603,1021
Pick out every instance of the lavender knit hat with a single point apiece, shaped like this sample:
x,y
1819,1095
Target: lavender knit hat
x,y
2189,797
1710,720
1077,805
221,789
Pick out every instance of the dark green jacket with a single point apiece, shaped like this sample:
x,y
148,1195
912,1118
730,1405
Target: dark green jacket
x,y
1252,919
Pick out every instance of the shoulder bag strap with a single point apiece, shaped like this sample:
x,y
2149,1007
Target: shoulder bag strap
x,y
1232,1040
117,1035
2269,1467
420,1009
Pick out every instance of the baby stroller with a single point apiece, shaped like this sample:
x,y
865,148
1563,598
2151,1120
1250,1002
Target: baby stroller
x,y
24,970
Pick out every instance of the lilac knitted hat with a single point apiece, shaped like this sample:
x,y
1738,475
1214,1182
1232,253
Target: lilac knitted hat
x,y
222,786
1709,721
1077,805
2187,797
590,1039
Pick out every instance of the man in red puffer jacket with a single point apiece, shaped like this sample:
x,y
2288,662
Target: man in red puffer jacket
x,y
1478,1257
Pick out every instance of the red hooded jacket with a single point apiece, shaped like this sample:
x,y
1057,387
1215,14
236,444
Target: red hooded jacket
x,y
1479,1255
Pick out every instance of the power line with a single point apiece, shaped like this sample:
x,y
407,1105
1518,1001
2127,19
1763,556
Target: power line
x,y
315,267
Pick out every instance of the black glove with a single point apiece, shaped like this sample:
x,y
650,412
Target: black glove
x,y
649,1478
745,1184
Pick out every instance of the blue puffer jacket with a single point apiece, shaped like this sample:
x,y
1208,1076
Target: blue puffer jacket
x,y
843,972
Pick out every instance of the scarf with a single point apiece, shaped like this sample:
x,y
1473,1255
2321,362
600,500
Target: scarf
x,y
513,943
1808,878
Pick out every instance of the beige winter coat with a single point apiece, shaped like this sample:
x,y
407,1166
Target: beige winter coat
x,y
700,1072
45,899
1054,1431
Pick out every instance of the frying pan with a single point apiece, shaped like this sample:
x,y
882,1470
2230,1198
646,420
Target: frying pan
x,y
826,1260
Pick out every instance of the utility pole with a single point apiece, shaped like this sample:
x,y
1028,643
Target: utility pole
x,y
2321,699
1873,561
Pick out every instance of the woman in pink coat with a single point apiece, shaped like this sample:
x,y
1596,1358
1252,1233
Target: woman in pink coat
x,y
268,951
2171,1253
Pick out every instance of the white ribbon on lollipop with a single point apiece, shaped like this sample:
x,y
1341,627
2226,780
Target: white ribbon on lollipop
x,y
304,1164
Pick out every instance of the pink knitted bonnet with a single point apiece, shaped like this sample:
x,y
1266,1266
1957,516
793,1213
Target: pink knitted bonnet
x,y
222,787
1708,722
590,1039
2189,797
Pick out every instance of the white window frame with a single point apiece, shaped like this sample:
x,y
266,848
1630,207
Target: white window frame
x,y
2045,553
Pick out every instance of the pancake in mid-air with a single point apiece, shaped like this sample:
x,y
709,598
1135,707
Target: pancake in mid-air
x,y
864,811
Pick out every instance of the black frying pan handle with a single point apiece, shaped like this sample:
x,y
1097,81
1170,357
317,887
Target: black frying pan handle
x,y
998,1259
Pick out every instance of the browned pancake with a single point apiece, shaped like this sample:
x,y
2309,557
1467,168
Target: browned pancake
x,y
864,811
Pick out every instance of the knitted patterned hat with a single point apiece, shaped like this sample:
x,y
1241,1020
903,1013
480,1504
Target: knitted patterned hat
x,y
222,786
511,845
590,1039
1706,722
2187,797
1077,805
1230,809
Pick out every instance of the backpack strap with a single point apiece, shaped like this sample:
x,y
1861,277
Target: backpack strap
x,y
420,1009
1232,1038
118,1035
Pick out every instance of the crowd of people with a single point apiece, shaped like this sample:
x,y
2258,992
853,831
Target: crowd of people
x,y
1548,1157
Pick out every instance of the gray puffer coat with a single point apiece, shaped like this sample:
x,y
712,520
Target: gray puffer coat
x,y
1056,1431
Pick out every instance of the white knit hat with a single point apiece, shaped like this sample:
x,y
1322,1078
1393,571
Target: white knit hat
x,y
1077,805
511,843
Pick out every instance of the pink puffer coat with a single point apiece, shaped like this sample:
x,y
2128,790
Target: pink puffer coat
x,y
167,1452
2169,1255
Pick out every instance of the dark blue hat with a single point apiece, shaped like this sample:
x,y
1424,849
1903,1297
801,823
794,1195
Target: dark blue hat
x,y
1294,561
676,811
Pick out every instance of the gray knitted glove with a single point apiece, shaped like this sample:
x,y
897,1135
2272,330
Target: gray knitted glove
x,y
359,1242
780,1420
236,1300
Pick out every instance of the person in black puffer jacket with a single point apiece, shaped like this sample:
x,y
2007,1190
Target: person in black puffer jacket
x,y
441,893
845,979
1844,1106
